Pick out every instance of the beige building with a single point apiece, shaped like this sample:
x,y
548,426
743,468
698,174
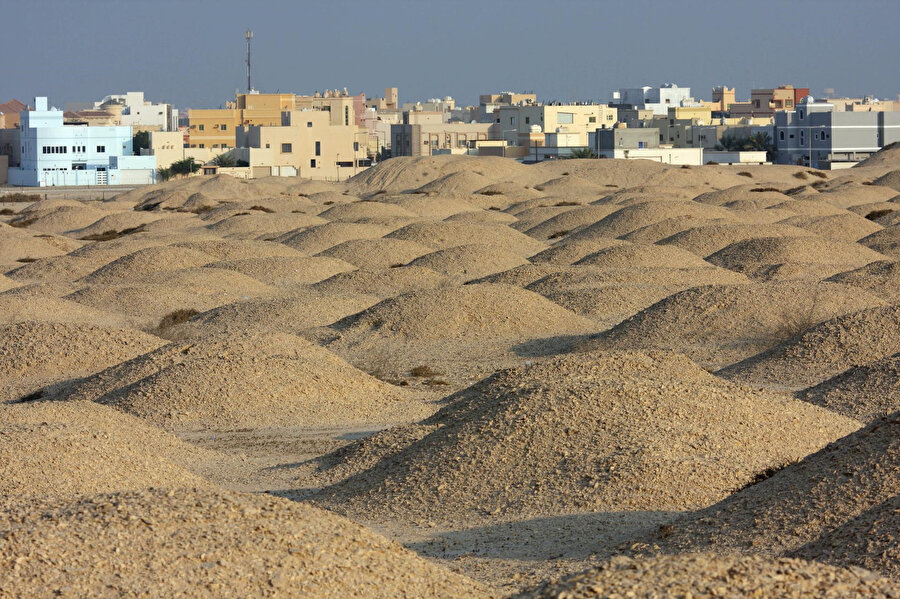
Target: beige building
x,y
423,139
580,119
215,128
305,144
4,169
168,147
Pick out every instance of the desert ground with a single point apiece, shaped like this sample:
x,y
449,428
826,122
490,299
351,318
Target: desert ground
x,y
456,377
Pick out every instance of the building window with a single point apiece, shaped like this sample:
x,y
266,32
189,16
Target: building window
x,y
356,146
592,119
101,149
781,135
527,120
286,148
801,115
512,120
201,146
318,148
308,124
224,127
565,118
312,162
200,127
268,146
346,115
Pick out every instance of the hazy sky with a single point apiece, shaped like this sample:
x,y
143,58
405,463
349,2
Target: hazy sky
x,y
191,52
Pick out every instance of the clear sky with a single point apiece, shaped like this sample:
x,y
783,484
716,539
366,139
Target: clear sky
x,y
191,52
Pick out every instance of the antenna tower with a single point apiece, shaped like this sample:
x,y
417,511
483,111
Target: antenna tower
x,y
248,36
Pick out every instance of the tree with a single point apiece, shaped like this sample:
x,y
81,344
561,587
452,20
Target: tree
x,y
582,153
184,167
757,142
141,141
225,159
163,174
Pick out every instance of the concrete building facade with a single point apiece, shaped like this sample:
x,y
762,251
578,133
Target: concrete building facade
x,y
52,153
658,99
580,119
423,139
141,114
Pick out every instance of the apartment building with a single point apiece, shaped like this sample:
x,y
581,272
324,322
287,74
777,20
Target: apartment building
x,y
580,119
766,102
816,135
305,143
421,135
139,113
53,153
215,128
489,104
658,99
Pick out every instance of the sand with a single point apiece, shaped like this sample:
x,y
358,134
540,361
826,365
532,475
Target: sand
x,y
519,372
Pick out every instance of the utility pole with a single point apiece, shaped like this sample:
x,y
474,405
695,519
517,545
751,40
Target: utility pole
x,y
248,36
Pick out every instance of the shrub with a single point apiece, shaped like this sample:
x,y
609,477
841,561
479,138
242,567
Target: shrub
x,y
876,214
818,174
745,174
436,383
423,372
176,317
26,260
491,192
764,189
800,175
567,203
7,211
113,234
559,234
20,197
21,223
262,209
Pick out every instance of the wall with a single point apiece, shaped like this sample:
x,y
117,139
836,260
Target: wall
x,y
4,169
691,156
168,147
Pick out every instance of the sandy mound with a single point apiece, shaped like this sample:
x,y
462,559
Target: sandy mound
x,y
630,218
443,235
469,262
57,220
844,227
599,432
886,241
881,278
570,220
284,314
802,502
17,246
708,239
195,543
32,353
233,249
317,239
385,282
406,173
365,212
287,270
119,222
16,308
709,576
862,392
870,540
664,228
232,381
824,350
792,257
81,448
147,261
888,156
65,268
891,179
254,224
568,252
721,324
470,312
643,256
377,253
486,217
436,208
530,217
851,195
521,276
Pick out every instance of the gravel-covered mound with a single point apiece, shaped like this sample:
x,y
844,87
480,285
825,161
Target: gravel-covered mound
x,y
643,256
318,239
197,543
881,278
445,234
886,241
709,238
287,270
598,432
844,227
717,325
81,448
862,392
229,381
382,282
357,212
479,311
471,261
703,576
871,541
800,503
824,350
143,262
382,252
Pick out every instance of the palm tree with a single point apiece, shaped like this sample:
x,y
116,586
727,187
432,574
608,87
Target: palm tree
x,y
582,153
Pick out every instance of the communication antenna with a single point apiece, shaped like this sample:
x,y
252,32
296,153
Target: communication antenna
x,y
248,36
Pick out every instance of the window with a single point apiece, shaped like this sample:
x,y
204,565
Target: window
x,y
308,124
286,148
781,135
215,145
318,148
527,120
200,127
592,119
224,127
512,120
102,149
346,115
201,145
565,118
312,162
268,146
609,117
801,115
356,146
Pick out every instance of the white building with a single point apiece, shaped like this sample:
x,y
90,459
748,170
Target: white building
x,y
52,153
142,114
657,99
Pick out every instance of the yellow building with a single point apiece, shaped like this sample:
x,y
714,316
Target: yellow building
x,y
573,118
215,128
307,144
168,147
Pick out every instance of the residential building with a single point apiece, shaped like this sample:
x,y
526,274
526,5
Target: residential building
x,y
9,114
580,119
489,104
215,128
445,107
768,101
168,147
623,138
722,99
306,143
816,135
424,137
657,99
390,101
141,114
53,153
